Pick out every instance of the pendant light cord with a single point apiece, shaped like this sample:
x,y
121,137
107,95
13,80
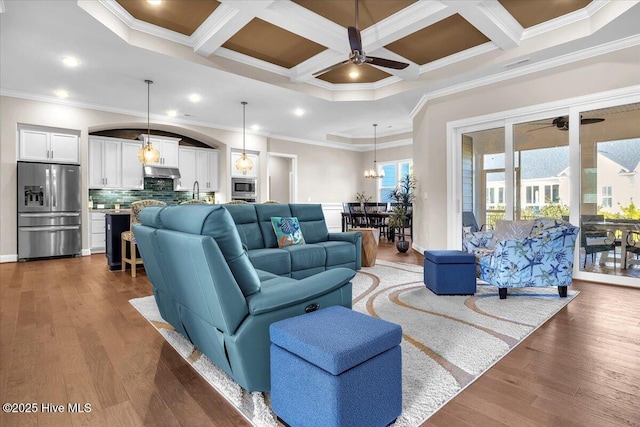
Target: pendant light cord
x,y
149,83
244,111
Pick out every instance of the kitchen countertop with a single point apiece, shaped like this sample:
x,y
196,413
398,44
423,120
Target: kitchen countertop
x,y
125,211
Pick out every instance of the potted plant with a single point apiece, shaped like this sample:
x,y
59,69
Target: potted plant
x,y
402,196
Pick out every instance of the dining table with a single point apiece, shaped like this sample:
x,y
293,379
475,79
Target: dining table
x,y
624,228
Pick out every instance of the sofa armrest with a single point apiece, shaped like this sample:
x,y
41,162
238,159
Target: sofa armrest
x,y
354,237
275,296
347,236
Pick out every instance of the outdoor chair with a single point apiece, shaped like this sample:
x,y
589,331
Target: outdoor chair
x,y
593,240
469,220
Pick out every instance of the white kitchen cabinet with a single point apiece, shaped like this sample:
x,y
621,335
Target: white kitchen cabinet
x,y
105,163
207,170
198,164
132,174
187,167
255,159
48,145
169,150
97,236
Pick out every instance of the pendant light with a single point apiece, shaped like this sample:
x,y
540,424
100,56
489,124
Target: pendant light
x,y
148,153
374,173
244,164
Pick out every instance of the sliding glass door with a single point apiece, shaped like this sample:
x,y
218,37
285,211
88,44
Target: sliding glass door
x,y
576,162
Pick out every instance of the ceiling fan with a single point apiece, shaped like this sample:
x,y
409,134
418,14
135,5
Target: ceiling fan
x,y
562,123
358,57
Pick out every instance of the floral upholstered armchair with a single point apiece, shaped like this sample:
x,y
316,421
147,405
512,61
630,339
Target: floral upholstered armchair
x,y
525,253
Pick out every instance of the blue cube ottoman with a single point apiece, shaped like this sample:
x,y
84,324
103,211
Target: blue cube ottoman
x,y
450,272
336,367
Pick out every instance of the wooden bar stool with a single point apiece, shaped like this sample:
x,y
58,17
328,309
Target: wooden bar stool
x,y
127,236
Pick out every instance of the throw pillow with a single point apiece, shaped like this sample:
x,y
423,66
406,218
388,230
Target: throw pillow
x,y
287,230
512,230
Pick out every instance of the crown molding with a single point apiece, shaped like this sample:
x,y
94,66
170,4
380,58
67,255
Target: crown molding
x,y
568,19
528,69
327,144
144,27
381,134
458,57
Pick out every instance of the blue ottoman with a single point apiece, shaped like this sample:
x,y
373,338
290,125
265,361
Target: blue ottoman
x,y
336,367
450,272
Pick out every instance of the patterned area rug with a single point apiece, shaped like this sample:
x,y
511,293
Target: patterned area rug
x,y
448,341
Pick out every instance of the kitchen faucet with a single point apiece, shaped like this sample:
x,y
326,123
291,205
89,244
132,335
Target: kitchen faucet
x,y
195,194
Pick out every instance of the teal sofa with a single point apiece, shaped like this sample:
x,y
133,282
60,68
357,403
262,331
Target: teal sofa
x,y
322,251
206,287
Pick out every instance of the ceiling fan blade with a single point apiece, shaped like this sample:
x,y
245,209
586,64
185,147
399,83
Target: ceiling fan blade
x,y
333,67
388,63
354,39
590,121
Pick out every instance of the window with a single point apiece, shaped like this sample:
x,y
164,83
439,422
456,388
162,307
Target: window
x,y
491,197
393,172
607,197
529,195
501,196
552,193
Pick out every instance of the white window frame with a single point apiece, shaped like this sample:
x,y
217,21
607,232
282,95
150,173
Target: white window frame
x,y
573,107
398,164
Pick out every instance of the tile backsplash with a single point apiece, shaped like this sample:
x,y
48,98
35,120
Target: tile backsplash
x,y
154,188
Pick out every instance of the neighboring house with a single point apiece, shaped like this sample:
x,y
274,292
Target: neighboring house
x,y
545,176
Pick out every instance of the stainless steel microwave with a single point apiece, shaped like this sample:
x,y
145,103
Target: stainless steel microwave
x,y
243,188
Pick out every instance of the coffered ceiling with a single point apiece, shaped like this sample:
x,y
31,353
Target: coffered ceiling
x,y
298,38
269,53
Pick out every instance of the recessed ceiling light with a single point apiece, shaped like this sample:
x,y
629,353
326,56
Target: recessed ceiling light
x,y
172,113
255,127
194,97
298,112
60,93
354,74
154,2
70,61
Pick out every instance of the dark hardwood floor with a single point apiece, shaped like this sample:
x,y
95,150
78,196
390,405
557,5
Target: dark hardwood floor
x,y
69,335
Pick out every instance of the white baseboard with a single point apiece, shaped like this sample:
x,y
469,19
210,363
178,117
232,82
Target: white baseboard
x,y
9,258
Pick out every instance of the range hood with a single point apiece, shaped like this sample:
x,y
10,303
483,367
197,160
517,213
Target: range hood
x,y
161,172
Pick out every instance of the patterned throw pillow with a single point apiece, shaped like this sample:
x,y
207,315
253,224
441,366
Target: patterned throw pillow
x,y
287,230
513,230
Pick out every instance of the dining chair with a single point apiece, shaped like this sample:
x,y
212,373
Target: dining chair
x,y
127,236
358,214
374,219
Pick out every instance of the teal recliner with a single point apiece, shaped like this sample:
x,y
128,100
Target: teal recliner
x,y
206,287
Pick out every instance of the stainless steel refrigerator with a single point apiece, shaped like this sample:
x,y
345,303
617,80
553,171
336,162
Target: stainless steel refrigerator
x,y
49,208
